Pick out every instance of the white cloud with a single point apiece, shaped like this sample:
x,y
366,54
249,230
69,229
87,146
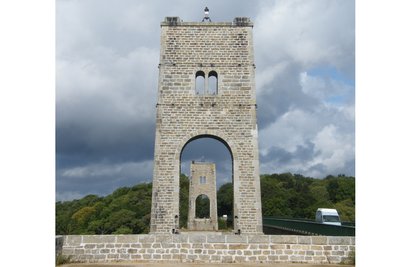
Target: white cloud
x,y
308,32
121,82
299,111
136,169
67,195
101,178
324,88
334,148
311,143
266,75
289,131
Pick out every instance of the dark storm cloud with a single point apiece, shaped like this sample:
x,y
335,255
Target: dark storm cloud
x,y
284,157
282,94
91,143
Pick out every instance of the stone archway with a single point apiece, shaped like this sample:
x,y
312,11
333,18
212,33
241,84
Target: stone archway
x,y
208,170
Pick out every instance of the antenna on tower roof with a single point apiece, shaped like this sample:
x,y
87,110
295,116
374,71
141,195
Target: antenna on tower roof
x,y
206,15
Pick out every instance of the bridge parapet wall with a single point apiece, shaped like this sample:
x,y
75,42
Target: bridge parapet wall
x,y
208,248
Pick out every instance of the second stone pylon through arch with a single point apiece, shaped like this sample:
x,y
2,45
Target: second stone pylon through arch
x,y
202,185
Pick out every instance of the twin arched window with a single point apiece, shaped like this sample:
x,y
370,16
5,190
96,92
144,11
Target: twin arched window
x,y
207,86
203,180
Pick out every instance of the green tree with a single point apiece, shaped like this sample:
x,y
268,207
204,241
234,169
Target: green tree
x,y
127,209
202,206
183,200
225,200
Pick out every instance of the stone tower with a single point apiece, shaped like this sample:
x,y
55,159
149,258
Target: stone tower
x,y
203,181
206,88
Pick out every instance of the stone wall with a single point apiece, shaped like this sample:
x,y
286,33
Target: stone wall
x,y
217,248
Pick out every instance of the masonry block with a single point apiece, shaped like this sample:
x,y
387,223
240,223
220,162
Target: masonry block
x,y
127,239
283,239
216,238
319,240
197,239
108,239
259,239
338,240
236,238
146,238
72,240
238,246
304,239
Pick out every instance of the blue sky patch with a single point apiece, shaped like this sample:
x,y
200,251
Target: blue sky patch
x,y
330,72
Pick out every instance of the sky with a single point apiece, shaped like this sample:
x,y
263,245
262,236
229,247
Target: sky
x,y
107,55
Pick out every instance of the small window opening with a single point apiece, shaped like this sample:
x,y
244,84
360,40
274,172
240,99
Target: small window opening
x,y
202,180
200,83
213,83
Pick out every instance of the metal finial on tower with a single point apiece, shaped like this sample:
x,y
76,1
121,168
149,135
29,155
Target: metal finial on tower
x,y
206,15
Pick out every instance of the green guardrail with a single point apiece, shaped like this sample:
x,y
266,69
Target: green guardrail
x,y
308,227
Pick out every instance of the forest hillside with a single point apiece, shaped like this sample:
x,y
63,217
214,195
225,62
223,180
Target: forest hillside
x,y
127,209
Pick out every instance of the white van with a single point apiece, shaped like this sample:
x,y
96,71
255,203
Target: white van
x,y
327,216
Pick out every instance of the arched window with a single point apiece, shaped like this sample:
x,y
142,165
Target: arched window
x,y
213,83
202,206
200,83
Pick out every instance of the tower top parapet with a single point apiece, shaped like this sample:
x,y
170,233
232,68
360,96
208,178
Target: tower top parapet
x,y
237,22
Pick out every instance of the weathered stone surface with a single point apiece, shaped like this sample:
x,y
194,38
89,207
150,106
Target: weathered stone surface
x,y
283,239
316,248
319,240
220,246
197,238
238,246
164,238
259,239
67,251
276,247
146,238
180,238
198,245
225,110
236,238
304,239
239,259
246,251
98,238
338,240
72,240
227,259
216,238
294,258
127,239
